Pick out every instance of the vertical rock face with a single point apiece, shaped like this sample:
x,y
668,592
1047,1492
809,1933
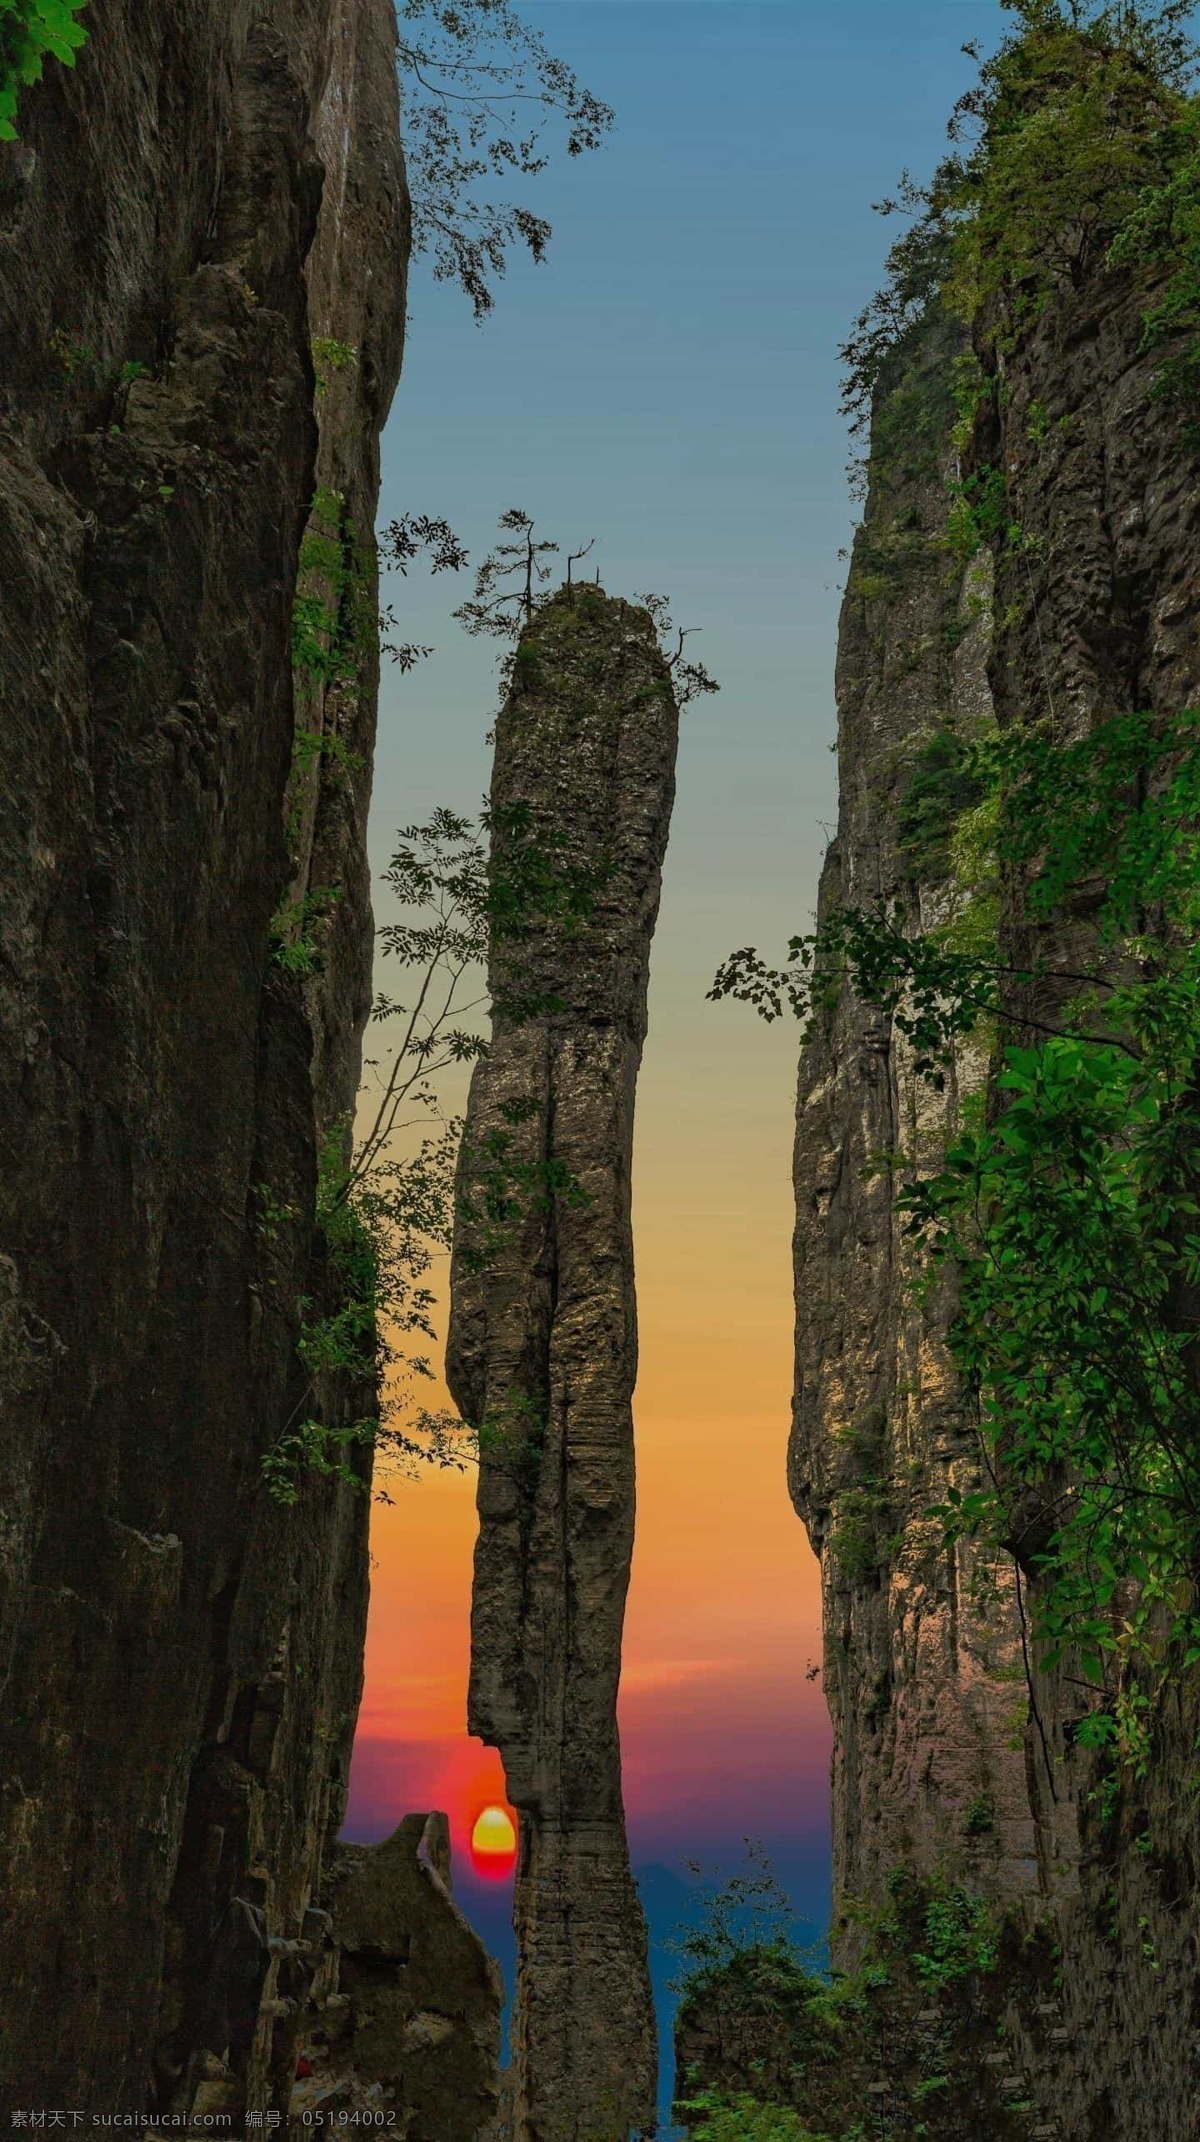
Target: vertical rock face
x,y
941,1761
543,1352
923,1669
212,188
1103,621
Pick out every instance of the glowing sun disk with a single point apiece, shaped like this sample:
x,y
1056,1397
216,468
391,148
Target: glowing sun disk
x,y
493,1835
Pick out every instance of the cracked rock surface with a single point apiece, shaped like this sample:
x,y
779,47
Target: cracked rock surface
x,y
542,1353
211,188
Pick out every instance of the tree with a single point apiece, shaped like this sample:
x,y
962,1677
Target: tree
x,y
479,90
507,582
509,587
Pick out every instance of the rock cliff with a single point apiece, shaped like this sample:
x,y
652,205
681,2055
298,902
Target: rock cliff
x,y
542,1353
945,1762
923,1670
214,189
404,2013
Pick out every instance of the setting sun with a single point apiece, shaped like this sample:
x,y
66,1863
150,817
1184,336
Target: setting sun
x,y
494,1841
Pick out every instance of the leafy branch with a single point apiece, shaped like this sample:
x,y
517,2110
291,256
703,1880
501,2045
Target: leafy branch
x,y
480,89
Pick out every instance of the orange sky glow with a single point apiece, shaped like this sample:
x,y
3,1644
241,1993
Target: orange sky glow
x,y
722,1733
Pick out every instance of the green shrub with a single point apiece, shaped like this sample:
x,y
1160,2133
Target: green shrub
x,y
745,2119
946,780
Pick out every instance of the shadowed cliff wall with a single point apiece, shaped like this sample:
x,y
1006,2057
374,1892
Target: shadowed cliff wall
x,y
211,188
404,2015
542,1354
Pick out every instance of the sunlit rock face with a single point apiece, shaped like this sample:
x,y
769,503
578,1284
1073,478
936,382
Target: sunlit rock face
x,y
943,1758
924,1680
211,188
543,1351
923,1668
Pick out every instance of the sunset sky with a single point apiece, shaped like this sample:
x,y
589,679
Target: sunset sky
x,y
668,384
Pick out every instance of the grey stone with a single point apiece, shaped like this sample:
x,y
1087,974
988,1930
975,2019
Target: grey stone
x,y
542,1356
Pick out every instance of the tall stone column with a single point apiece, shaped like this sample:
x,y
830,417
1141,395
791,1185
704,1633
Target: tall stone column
x,y
542,1354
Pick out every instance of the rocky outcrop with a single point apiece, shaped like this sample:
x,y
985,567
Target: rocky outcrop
x,y
944,1759
211,189
1097,615
923,1669
542,1352
403,2019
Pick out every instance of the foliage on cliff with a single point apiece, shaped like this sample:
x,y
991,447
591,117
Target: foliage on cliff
x,y
1065,1211
769,2051
1078,144
30,32
1071,1216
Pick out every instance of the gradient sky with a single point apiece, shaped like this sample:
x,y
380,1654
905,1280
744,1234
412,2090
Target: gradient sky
x,y
668,383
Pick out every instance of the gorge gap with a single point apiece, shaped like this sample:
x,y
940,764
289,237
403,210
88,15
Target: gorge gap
x,y
1014,1907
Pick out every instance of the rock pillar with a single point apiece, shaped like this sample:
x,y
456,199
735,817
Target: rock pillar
x,y
543,1350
